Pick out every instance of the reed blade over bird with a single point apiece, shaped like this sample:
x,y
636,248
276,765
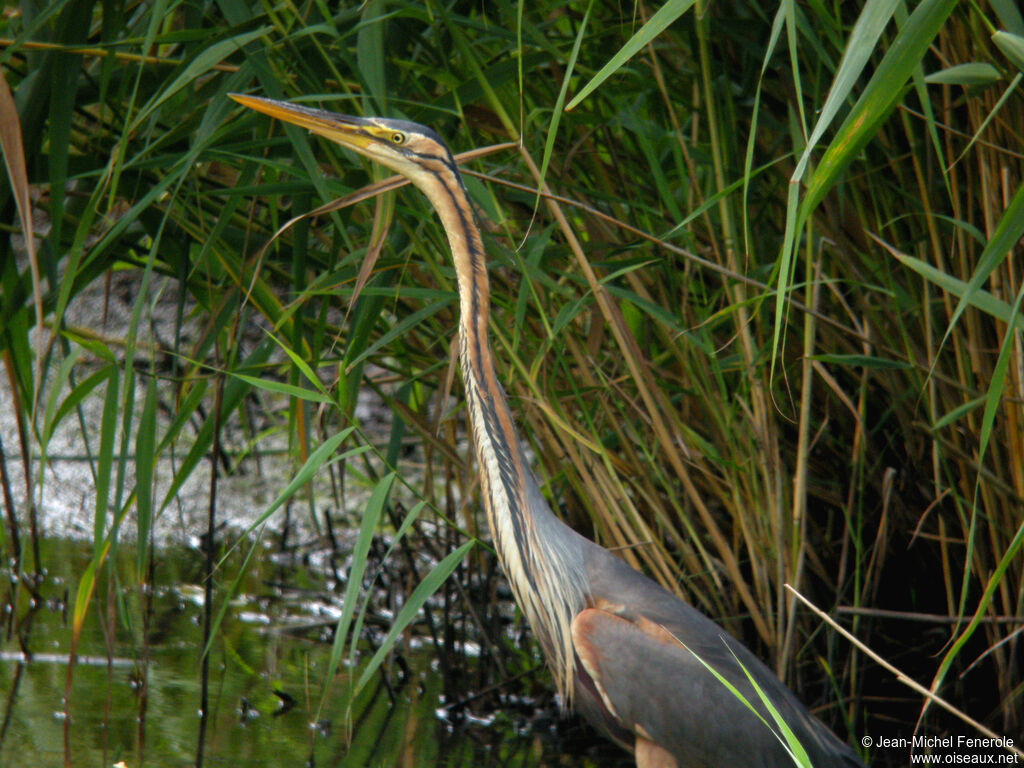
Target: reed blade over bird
x,y
628,655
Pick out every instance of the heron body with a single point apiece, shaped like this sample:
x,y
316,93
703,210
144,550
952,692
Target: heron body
x,y
627,654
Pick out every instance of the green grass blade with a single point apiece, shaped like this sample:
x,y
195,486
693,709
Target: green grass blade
x,y
971,73
1010,91
86,587
367,529
283,388
319,457
430,584
57,384
794,223
201,65
788,739
655,25
403,528
956,413
556,113
145,466
370,48
755,114
105,459
998,383
302,366
881,95
992,584
862,42
979,299
218,618
400,328
234,390
75,397
1008,231
1012,47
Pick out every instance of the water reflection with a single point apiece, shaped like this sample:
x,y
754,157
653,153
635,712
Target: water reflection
x,y
135,691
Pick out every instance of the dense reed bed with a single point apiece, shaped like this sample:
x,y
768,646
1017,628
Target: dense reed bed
x,y
756,305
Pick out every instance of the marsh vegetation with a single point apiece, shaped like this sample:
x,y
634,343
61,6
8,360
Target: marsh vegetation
x,y
761,328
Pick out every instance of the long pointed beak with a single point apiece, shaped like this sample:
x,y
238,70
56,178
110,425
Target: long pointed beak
x,y
344,129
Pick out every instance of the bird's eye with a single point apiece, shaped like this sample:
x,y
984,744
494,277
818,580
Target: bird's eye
x,y
397,138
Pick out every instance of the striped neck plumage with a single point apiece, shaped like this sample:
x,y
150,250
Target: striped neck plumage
x,y
545,574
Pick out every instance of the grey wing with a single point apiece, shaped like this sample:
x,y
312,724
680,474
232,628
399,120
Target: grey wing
x,y
638,647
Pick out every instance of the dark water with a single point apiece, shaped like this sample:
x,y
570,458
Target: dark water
x,y
135,691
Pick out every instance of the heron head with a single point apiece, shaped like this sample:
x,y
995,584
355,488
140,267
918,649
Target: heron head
x,y
407,148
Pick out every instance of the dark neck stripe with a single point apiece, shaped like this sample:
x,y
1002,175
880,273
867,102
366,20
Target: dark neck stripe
x,y
546,576
484,392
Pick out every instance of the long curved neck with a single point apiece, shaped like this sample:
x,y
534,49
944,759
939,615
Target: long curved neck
x,y
540,555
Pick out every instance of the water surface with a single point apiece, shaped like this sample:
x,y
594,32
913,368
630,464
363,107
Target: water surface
x,y
135,691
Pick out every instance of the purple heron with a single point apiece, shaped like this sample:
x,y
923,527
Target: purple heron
x,y
625,653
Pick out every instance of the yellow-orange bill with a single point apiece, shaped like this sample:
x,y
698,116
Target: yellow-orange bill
x,y
341,128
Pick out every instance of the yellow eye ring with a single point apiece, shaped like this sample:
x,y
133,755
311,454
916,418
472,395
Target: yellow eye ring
x,y
397,138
